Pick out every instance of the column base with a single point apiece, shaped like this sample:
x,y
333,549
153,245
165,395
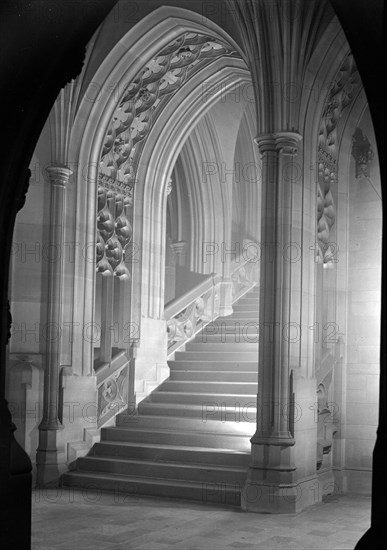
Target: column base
x,y
47,459
354,481
47,469
291,498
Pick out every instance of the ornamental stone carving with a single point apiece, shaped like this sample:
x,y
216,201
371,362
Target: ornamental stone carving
x,y
187,322
362,152
146,96
114,231
326,427
112,394
341,93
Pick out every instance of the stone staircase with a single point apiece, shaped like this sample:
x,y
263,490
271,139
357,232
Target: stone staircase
x,y
190,438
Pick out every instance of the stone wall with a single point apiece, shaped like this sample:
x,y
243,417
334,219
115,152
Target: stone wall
x,y
363,322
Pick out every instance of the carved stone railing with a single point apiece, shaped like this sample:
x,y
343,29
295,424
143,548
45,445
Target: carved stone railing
x,y
326,420
189,313
244,270
115,384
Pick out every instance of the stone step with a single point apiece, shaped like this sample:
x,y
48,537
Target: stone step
x,y
172,453
191,490
230,323
227,336
204,399
180,438
190,438
213,376
220,346
214,366
195,386
208,411
249,305
237,315
137,421
225,328
164,470
216,355
248,299
252,292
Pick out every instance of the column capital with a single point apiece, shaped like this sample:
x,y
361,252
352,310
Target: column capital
x,y
59,175
179,246
180,249
265,142
285,142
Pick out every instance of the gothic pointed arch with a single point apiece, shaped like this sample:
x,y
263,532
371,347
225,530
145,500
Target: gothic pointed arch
x,y
126,143
113,118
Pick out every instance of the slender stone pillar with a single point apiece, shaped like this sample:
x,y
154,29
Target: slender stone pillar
x,y
107,300
47,452
272,482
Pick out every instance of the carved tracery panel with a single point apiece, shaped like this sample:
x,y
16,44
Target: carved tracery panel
x,y
147,95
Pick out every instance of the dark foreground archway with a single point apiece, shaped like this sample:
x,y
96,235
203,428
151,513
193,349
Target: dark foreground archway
x,y
43,45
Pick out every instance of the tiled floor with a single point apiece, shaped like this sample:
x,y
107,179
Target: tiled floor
x,y
70,520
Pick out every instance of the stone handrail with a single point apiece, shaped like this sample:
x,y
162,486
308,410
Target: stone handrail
x,y
244,270
189,313
326,413
181,302
115,384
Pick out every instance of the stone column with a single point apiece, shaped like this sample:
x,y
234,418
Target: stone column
x,y
272,485
277,155
47,452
